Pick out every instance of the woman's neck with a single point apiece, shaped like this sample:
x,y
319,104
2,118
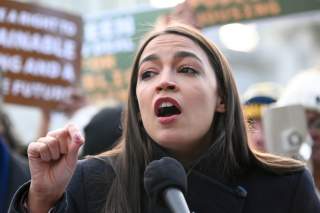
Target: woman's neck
x,y
191,154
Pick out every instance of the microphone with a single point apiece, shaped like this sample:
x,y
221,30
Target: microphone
x,y
166,181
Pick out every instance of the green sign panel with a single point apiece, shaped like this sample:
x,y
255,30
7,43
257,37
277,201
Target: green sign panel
x,y
213,12
109,46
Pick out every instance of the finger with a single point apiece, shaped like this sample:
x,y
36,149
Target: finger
x,y
63,137
61,133
63,146
61,143
53,145
75,133
76,141
44,151
33,150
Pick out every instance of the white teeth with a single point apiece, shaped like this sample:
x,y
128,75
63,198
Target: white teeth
x,y
166,104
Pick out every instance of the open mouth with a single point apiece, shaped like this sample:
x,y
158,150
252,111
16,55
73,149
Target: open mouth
x,y
167,107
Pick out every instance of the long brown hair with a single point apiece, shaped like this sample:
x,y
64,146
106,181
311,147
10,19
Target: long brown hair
x,y
228,131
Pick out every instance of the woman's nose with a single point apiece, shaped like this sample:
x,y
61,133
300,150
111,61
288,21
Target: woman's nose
x,y
167,86
166,82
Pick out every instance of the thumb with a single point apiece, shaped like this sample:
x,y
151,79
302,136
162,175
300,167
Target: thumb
x,y
76,142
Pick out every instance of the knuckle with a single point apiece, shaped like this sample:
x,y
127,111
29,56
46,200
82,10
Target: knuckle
x,y
56,133
51,143
43,147
42,139
33,146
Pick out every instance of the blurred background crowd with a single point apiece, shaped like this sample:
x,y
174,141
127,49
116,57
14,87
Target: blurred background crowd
x,y
273,48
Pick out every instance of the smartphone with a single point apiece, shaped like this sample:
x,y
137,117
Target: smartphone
x,y
286,132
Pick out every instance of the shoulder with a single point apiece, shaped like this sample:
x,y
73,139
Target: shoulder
x,y
95,173
91,183
305,188
300,190
258,178
285,185
259,175
292,190
95,167
96,163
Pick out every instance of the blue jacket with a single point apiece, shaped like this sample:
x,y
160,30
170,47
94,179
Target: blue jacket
x,y
18,173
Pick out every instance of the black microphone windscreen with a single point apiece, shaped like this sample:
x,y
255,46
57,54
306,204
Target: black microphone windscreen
x,y
162,174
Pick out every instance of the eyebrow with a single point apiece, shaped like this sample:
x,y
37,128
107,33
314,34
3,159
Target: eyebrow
x,y
185,54
180,54
151,57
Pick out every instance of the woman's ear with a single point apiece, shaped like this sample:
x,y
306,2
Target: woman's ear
x,y
220,106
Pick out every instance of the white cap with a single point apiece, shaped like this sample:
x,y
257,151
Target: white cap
x,y
303,89
268,90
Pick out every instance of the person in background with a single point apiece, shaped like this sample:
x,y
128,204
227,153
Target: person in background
x,y
255,99
9,135
183,103
304,89
103,130
100,124
14,169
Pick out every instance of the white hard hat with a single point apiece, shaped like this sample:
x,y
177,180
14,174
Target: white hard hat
x,y
258,96
303,89
262,93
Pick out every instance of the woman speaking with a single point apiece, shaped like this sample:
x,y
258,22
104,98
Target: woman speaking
x,y
182,103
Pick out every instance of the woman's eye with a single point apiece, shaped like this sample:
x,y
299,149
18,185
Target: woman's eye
x,y
147,74
188,70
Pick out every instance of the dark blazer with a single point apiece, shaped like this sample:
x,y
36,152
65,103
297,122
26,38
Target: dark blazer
x,y
258,191
18,174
